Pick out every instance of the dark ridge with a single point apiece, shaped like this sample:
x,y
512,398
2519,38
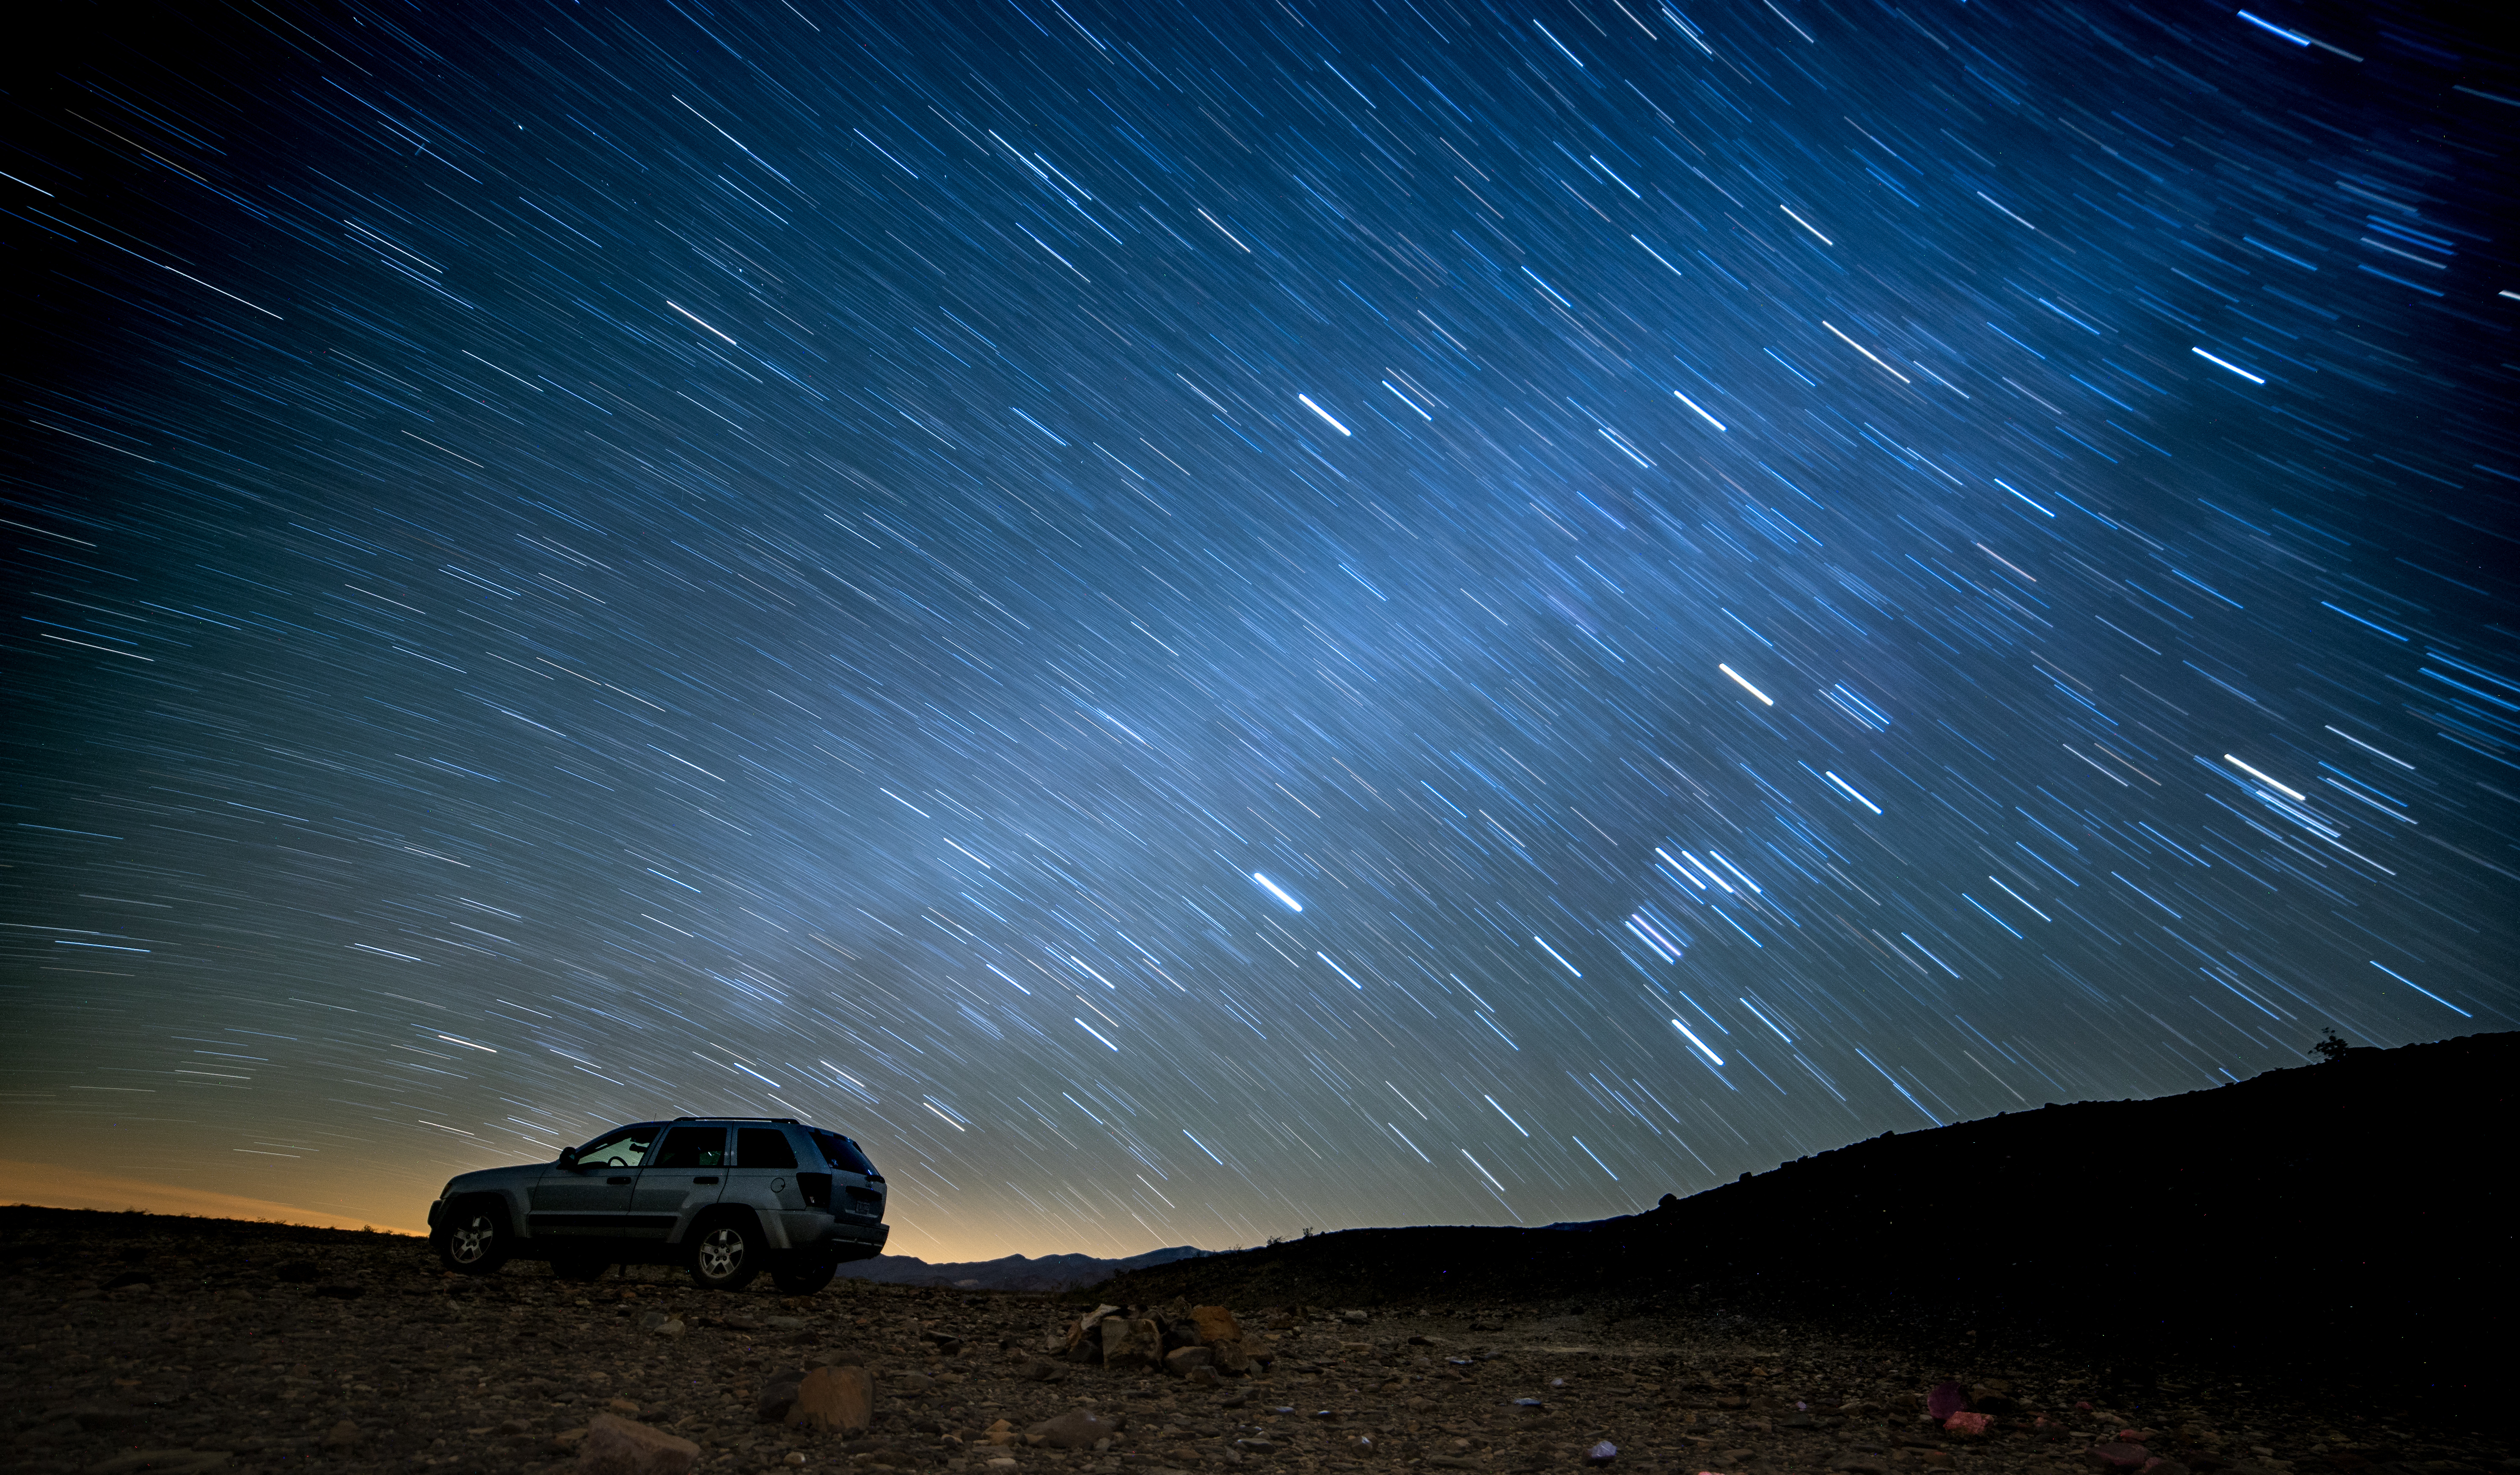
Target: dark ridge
x,y
2357,1210
1010,1273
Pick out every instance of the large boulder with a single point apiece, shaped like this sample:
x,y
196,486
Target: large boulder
x,y
618,1446
1215,1325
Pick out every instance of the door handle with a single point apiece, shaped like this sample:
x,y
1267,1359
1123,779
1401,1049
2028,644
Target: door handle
x,y
617,1180
705,1179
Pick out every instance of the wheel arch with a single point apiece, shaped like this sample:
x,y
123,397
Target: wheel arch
x,y
737,1213
511,1223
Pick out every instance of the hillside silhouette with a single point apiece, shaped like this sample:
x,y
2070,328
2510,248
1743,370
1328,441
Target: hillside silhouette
x,y
2355,1210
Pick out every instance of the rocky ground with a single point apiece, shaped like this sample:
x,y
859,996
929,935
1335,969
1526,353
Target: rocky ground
x,y
136,1343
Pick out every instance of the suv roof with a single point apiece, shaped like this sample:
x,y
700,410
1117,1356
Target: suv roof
x,y
788,1121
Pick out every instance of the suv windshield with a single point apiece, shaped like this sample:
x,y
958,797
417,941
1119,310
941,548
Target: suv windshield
x,y
621,1147
843,1154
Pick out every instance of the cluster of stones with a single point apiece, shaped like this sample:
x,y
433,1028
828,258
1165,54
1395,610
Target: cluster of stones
x,y
185,1353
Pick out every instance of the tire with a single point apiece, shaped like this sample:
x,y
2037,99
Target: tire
x,y
726,1254
474,1240
803,1277
579,1266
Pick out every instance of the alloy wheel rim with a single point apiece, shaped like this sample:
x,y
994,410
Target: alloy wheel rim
x,y
721,1252
472,1242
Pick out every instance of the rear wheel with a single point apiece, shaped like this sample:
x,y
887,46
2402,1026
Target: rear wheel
x,y
726,1254
803,1277
474,1239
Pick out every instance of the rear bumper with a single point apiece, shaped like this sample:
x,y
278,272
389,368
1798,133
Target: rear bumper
x,y
844,1242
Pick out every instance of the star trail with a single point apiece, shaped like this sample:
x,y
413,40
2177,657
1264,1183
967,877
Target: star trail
x,y
1202,620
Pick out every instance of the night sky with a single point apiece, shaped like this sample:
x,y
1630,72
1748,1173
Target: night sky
x,y
1202,620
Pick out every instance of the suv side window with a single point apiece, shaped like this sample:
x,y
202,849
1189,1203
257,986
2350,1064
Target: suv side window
x,y
763,1148
693,1148
621,1147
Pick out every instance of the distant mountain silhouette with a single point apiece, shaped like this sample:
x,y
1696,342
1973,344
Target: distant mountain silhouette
x,y
1013,1272
2355,1210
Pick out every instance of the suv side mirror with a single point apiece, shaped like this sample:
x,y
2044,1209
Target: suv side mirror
x,y
568,1157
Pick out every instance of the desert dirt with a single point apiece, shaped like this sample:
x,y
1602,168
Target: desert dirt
x,y
136,1343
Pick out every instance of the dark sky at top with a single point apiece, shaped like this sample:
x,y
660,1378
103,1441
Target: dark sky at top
x,y
1197,620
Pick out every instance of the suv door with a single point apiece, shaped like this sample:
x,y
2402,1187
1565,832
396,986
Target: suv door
x,y
764,1177
684,1176
592,1200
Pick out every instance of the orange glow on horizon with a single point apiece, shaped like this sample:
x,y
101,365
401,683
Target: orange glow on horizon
x,y
47,1185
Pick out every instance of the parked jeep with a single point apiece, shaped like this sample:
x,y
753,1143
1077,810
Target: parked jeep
x,y
728,1197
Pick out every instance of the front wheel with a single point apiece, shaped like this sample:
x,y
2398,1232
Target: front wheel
x,y
474,1241
726,1254
803,1277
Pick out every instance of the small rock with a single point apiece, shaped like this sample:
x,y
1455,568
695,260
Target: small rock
x,y
1968,1423
1003,1465
1256,1446
2117,1455
1601,1454
1945,1399
341,1436
834,1400
1130,1343
623,1407
778,1395
1076,1429
912,1384
1206,1377
616,1446
1181,1362
796,1457
1355,1318
1038,1370
673,1328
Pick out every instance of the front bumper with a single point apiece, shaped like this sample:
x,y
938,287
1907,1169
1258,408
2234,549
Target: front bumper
x,y
436,1211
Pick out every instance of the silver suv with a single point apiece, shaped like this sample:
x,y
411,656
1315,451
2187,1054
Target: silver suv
x,y
729,1197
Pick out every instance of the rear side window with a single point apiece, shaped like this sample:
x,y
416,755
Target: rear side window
x,y
763,1148
842,1153
693,1148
